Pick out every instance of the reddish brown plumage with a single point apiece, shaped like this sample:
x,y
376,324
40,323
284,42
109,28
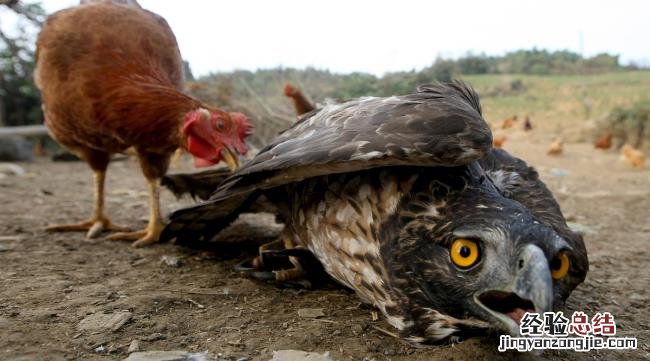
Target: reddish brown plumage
x,y
508,123
632,157
300,102
604,141
111,78
556,147
498,140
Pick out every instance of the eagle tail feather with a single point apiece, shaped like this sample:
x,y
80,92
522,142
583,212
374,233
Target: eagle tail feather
x,y
203,221
197,185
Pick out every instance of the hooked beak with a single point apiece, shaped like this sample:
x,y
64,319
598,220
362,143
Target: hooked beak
x,y
531,290
230,158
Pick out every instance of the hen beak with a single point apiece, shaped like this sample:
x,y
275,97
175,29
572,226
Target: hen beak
x,y
230,158
531,290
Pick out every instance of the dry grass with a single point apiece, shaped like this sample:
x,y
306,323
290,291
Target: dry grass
x,y
564,105
561,105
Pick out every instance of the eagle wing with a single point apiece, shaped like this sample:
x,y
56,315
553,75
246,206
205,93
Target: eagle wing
x,y
439,125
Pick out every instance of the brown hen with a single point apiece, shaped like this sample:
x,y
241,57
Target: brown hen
x,y
300,103
498,140
555,148
632,157
111,78
508,122
604,141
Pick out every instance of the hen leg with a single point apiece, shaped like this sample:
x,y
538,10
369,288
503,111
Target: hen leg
x,y
154,167
98,222
151,233
176,158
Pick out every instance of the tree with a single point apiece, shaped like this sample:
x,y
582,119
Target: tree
x,y
19,98
442,70
475,64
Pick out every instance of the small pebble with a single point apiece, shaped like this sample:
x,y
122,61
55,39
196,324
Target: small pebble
x,y
171,261
167,356
311,312
134,346
102,322
295,355
155,337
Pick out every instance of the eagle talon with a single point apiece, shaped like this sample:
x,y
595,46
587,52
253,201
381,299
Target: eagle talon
x,y
292,274
293,277
247,267
281,265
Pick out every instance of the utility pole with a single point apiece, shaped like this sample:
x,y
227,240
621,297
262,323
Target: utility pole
x,y
582,44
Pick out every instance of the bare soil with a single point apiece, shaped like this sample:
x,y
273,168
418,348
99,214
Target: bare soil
x,y
50,282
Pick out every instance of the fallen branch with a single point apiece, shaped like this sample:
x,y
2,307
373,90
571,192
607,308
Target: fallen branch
x,y
386,332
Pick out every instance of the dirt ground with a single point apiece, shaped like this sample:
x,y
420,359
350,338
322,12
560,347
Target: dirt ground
x,y
49,283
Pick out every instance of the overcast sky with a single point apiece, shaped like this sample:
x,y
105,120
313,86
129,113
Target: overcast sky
x,y
379,36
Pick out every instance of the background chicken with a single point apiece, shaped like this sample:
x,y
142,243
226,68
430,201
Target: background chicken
x,y
300,102
508,122
632,157
604,142
555,148
528,125
498,140
111,78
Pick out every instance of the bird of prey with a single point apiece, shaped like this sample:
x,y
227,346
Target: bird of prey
x,y
404,200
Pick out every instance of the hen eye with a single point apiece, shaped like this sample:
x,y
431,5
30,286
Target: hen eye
x,y
220,124
464,253
560,265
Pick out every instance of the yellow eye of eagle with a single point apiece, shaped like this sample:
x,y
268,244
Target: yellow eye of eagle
x,y
464,253
560,265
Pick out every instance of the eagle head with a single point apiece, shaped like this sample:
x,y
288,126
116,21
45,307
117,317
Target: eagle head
x,y
464,259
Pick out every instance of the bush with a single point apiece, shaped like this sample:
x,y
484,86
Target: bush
x,y
630,124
